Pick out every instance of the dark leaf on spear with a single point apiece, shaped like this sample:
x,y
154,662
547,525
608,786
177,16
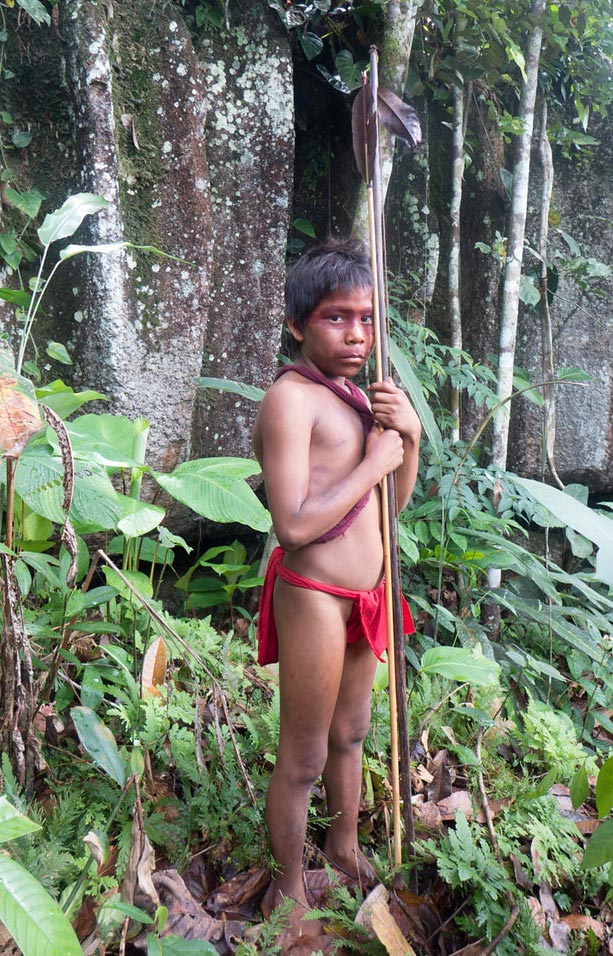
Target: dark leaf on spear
x,y
398,117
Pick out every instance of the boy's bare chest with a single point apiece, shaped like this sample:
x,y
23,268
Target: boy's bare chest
x,y
337,432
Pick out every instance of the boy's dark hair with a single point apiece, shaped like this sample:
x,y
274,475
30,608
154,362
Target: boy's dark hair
x,y
334,264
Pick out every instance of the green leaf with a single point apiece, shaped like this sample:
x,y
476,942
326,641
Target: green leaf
x,y
134,912
177,946
63,400
460,663
604,788
528,292
59,353
32,917
21,138
27,203
14,824
100,743
305,226
212,487
139,581
36,10
67,219
18,296
587,522
579,788
311,44
109,440
413,386
599,849
251,392
139,517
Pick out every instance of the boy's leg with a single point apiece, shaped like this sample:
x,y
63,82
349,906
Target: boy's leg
x,y
312,640
342,774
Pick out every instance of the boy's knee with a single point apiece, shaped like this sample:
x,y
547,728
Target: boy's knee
x,y
303,767
347,736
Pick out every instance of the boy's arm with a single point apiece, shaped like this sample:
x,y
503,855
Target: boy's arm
x,y
392,409
300,515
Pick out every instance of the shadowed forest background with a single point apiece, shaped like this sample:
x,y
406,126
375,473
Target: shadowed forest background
x,y
162,163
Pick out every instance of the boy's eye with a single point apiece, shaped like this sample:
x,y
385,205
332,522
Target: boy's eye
x,y
367,319
335,318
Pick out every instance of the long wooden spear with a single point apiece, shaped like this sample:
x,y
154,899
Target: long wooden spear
x,y
373,104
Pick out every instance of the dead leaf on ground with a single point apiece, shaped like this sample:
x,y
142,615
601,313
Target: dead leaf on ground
x,y
388,931
186,916
380,894
559,934
154,668
428,815
137,886
577,921
238,891
458,800
442,780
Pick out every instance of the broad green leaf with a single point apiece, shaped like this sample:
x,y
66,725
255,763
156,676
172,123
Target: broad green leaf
x,y
139,581
18,296
251,392
63,400
39,482
528,292
461,664
311,44
109,440
582,519
579,788
59,353
411,383
27,203
36,10
19,414
212,487
21,138
139,517
172,945
14,824
32,917
67,219
304,226
599,849
100,743
604,788
134,912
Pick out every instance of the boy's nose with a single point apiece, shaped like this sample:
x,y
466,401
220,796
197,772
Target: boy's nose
x,y
355,331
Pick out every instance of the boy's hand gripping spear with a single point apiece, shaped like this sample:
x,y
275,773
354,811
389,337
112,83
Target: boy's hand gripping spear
x,y
374,104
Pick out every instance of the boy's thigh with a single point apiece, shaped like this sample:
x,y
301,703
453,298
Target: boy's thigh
x,y
312,632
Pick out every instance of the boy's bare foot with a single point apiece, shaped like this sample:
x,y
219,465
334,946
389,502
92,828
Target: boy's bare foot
x,y
297,925
353,864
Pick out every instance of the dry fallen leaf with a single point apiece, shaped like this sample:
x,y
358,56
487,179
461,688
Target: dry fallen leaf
x,y
154,668
388,931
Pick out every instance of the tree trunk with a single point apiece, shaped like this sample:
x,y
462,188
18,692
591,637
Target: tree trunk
x,y
515,250
399,29
515,241
549,422
457,177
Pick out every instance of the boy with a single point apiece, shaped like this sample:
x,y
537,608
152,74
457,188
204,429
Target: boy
x,y
323,607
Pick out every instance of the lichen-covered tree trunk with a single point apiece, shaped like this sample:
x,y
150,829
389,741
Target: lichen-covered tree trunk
x,y
250,145
515,240
189,137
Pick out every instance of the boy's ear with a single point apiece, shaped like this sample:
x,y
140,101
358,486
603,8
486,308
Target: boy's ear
x,y
296,332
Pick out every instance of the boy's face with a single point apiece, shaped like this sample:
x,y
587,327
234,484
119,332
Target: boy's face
x,y
338,335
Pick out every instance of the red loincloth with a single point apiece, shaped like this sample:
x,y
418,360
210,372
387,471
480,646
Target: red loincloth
x,y
368,618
